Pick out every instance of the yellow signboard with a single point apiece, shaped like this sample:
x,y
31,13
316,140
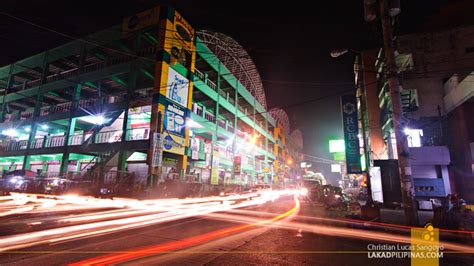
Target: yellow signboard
x,y
180,42
141,20
173,144
183,31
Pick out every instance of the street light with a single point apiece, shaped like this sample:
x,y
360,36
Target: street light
x,y
339,52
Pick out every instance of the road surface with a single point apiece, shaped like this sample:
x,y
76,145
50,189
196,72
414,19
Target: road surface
x,y
255,228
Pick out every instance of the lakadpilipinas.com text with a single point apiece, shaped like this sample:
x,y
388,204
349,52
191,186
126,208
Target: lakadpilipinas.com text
x,y
398,251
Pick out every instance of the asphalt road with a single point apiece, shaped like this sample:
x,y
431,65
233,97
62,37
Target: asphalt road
x,y
267,233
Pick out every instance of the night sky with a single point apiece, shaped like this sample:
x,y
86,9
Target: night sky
x,y
289,43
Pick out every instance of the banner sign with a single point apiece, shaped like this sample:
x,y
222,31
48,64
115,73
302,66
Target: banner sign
x,y
207,148
157,150
351,131
194,148
175,117
177,88
195,144
237,164
215,167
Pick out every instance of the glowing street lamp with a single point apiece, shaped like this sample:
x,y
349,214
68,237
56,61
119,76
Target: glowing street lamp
x,y
99,120
10,132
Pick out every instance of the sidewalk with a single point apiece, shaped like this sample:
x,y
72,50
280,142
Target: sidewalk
x,y
393,216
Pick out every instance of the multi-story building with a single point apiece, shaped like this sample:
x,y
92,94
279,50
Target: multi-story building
x,y
435,74
151,96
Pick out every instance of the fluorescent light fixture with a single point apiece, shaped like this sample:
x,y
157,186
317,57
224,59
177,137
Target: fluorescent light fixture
x,y
193,124
27,129
336,168
406,131
44,127
94,119
99,120
10,132
230,140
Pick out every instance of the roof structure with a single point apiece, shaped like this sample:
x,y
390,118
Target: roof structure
x,y
281,116
241,65
237,60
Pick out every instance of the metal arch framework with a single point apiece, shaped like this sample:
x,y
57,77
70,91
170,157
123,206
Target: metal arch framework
x,y
237,60
297,137
281,116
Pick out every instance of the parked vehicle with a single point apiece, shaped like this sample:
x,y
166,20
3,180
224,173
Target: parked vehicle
x,y
332,197
19,181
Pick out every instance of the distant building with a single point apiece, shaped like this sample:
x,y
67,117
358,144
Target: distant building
x,y
436,73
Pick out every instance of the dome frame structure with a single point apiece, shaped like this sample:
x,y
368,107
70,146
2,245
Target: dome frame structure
x,y
237,60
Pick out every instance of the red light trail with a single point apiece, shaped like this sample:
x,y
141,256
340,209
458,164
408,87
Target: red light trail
x,y
183,243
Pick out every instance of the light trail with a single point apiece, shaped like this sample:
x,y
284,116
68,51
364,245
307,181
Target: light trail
x,y
364,223
183,243
143,213
331,230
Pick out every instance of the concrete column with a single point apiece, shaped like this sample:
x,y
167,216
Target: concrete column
x,y
123,153
39,101
215,134
254,147
266,148
72,120
4,105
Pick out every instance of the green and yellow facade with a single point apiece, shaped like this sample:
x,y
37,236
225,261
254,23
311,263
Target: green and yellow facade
x,y
149,96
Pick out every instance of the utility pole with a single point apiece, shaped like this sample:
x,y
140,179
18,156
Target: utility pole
x,y
360,86
403,151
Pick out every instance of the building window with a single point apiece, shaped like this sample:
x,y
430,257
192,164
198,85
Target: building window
x,y
393,142
413,137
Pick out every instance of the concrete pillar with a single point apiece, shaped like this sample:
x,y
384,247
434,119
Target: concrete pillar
x,y
39,103
182,165
64,163
265,178
216,125
9,82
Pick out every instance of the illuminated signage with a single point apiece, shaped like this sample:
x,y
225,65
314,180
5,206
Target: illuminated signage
x,y
336,146
177,88
351,130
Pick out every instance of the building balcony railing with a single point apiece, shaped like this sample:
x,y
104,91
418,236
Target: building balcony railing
x,y
198,74
240,133
26,115
221,123
75,140
211,84
72,73
210,117
223,94
65,107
